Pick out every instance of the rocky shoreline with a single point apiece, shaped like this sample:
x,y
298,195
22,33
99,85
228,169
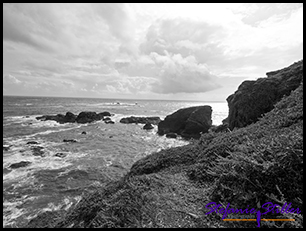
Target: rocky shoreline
x,y
260,159
82,117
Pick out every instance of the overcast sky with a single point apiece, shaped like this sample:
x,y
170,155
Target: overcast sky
x,y
152,51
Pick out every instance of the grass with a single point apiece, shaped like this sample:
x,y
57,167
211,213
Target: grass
x,y
260,163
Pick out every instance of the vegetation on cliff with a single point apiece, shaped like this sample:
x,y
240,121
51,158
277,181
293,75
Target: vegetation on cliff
x,y
249,166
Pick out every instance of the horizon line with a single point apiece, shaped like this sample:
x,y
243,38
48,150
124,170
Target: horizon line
x,y
84,97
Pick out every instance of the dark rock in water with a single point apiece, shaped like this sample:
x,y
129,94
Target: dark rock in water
x,y
141,120
84,133
106,119
47,117
37,151
148,126
171,135
105,113
255,98
111,136
69,117
187,122
88,117
109,122
6,147
83,117
60,154
20,164
6,171
71,140
60,118
32,142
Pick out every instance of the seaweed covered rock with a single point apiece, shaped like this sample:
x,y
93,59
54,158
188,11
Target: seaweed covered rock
x,y
254,98
187,122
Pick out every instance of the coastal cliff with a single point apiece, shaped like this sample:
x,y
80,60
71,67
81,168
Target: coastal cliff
x,y
249,166
254,98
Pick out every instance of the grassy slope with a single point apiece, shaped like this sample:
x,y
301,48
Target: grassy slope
x,y
260,163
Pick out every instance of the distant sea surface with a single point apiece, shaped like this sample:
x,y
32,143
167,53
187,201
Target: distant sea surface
x,y
106,152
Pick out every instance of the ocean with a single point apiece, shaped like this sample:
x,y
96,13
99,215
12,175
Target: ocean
x,y
105,153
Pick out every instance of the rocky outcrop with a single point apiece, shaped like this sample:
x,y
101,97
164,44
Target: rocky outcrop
x,y
187,122
6,147
254,98
220,128
20,164
69,117
69,141
105,113
140,120
61,154
83,117
148,126
32,142
88,117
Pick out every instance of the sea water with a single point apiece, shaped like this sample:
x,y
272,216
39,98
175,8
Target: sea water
x,y
105,153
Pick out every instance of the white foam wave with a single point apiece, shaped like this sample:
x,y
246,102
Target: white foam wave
x,y
48,123
19,119
12,210
24,175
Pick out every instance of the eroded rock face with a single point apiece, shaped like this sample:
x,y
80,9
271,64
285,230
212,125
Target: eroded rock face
x,y
187,122
254,98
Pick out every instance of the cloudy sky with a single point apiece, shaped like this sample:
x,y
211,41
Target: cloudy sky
x,y
146,51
